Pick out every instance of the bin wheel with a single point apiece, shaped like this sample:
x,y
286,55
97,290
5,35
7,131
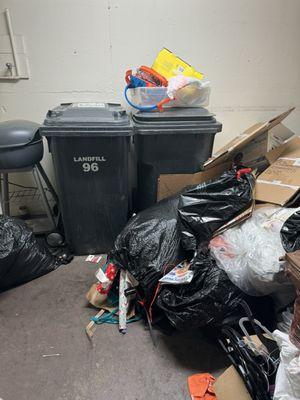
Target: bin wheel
x,y
55,239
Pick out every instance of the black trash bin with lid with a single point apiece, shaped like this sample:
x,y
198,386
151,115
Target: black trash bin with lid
x,y
176,141
90,145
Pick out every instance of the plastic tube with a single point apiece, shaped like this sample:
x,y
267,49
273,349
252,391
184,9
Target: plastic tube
x,y
146,108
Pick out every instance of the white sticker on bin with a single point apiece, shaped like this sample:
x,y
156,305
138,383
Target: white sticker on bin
x,y
89,105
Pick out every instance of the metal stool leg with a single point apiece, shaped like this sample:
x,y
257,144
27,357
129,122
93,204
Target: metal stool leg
x,y
5,197
47,181
1,196
39,184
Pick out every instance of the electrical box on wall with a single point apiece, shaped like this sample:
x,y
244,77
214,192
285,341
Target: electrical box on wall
x,y
13,58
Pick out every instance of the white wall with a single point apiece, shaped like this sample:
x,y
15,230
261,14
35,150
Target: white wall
x,y
79,50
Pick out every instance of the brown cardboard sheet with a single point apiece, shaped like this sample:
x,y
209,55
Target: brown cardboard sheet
x,y
280,182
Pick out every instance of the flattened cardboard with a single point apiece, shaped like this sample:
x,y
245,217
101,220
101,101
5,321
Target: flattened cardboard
x,y
169,184
236,144
280,182
273,154
230,386
247,136
252,145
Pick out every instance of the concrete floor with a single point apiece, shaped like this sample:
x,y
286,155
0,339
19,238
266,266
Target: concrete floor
x,y
49,315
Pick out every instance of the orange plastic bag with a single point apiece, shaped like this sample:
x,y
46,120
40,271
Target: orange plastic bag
x,y
201,387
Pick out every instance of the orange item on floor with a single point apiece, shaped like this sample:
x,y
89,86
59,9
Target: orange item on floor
x,y
201,387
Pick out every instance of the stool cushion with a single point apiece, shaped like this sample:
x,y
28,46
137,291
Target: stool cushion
x,y
17,133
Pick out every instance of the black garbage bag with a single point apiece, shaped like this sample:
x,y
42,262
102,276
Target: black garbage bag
x,y
22,258
290,233
206,207
149,244
207,300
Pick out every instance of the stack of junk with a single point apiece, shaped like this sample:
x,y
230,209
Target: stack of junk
x,y
193,240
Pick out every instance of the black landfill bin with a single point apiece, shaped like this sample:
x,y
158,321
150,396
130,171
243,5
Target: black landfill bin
x,y
90,145
176,141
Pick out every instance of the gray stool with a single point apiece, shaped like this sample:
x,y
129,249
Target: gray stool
x,y
21,150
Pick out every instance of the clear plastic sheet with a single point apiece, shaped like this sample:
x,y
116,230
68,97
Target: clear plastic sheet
x,y
250,252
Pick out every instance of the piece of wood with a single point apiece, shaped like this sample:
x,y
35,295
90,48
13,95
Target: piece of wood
x,y
91,327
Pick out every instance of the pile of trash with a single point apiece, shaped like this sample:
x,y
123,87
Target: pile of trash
x,y
211,254
219,248
178,229
219,251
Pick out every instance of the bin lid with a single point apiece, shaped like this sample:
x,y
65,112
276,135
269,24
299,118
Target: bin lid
x,y
182,115
86,117
18,133
176,120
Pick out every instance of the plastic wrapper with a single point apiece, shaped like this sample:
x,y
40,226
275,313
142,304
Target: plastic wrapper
x,y
22,258
188,91
285,321
290,233
287,384
149,244
208,300
206,207
250,252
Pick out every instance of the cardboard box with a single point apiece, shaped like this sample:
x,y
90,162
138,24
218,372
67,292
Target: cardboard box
x,y
280,182
293,267
251,147
230,386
